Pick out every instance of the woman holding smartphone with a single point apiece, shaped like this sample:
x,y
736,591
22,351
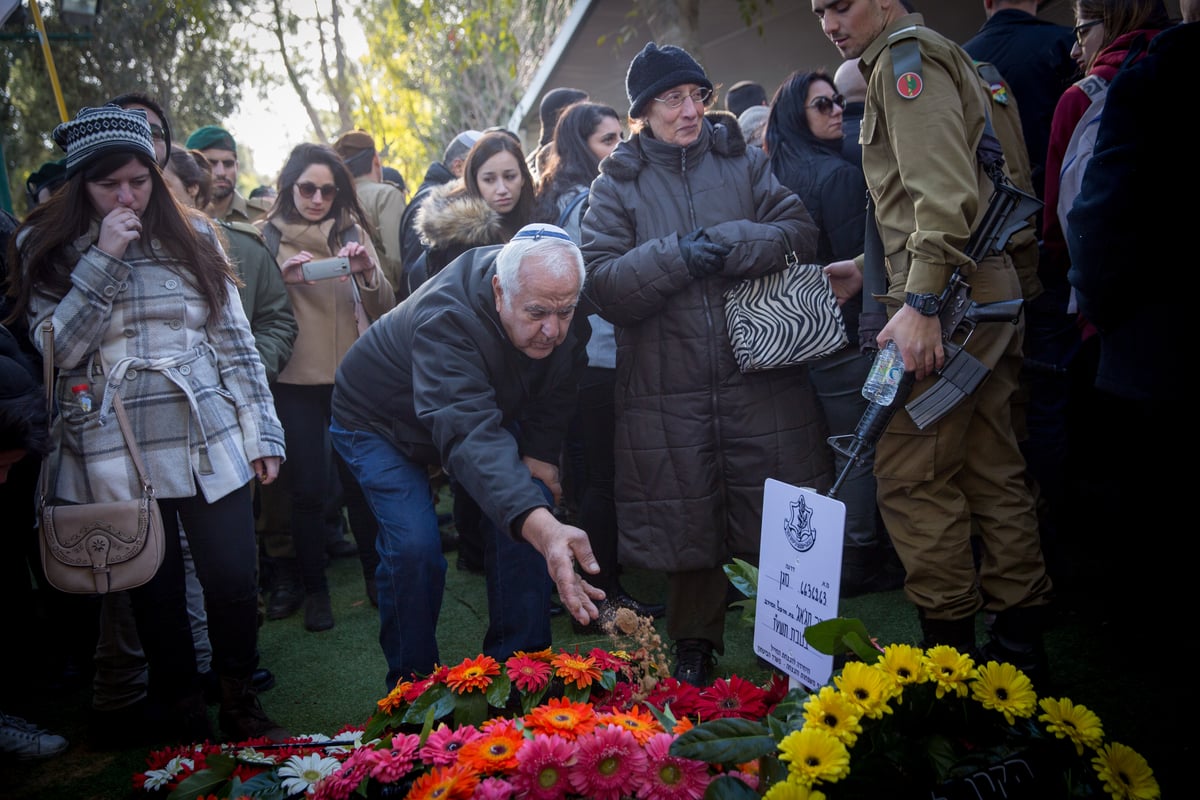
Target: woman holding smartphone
x,y
317,216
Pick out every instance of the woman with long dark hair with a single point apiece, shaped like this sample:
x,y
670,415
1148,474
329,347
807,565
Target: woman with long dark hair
x,y
317,215
492,201
144,305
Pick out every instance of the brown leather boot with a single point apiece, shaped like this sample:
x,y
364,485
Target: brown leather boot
x,y
242,716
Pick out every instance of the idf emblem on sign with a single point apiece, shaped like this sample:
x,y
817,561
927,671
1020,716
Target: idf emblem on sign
x,y
799,529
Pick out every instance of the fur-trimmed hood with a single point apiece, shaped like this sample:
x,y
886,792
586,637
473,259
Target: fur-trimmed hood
x,y
450,219
720,135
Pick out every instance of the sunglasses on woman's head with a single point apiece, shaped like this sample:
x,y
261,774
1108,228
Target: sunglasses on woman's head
x,y
825,104
307,190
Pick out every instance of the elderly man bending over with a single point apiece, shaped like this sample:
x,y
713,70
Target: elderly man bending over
x,y
475,372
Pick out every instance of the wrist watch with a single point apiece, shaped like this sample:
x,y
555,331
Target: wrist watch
x,y
927,305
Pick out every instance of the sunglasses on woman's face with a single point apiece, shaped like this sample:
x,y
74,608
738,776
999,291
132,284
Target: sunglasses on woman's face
x,y
825,104
307,190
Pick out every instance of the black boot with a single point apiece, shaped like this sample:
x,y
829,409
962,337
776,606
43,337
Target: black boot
x,y
1016,637
242,716
956,633
286,595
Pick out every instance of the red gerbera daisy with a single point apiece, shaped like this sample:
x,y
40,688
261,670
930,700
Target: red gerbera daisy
x,y
608,764
472,674
528,674
733,697
682,697
561,716
606,660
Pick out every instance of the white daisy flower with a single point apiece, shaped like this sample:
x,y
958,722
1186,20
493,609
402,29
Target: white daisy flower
x,y
159,778
301,773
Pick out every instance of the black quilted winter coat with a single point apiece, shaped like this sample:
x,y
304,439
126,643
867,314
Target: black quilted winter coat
x,y
695,438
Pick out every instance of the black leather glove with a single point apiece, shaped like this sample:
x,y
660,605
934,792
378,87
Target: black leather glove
x,y
702,255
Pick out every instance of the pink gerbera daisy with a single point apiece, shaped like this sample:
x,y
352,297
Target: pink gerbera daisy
x,y
388,766
528,674
494,789
669,777
442,746
608,764
543,764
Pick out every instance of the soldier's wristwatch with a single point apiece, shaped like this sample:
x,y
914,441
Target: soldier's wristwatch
x,y
925,304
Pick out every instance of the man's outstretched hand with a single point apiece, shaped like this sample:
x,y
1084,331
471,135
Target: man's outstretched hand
x,y
563,546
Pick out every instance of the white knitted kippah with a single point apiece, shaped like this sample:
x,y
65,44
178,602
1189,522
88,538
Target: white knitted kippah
x,y
99,131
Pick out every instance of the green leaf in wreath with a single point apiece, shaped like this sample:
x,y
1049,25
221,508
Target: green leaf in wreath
x,y
727,787
744,576
835,636
438,697
499,690
470,709
725,741
206,781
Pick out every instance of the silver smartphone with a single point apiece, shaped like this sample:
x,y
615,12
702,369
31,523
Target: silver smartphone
x,y
323,268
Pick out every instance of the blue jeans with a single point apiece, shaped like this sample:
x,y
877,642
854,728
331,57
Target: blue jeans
x,y
412,570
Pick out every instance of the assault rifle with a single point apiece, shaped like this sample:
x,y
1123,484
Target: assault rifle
x,y
961,374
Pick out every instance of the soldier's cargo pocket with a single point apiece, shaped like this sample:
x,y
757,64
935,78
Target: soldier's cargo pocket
x,y
907,456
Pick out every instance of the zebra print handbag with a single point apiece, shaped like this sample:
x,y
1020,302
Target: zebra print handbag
x,y
783,319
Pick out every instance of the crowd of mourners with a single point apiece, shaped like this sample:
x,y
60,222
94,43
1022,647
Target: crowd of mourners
x,y
538,335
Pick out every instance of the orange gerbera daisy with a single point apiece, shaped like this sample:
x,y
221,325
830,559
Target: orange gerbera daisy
x,y
637,720
494,752
394,698
454,782
472,674
574,668
537,655
561,716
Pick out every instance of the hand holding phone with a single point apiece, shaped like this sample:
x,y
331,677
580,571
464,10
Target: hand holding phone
x,y
324,268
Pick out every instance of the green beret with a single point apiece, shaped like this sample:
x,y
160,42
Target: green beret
x,y
211,136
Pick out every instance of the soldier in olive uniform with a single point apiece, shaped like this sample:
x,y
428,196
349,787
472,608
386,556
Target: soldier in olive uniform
x,y
220,149
926,111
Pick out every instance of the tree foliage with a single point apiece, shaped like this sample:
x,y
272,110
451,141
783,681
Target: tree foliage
x,y
181,52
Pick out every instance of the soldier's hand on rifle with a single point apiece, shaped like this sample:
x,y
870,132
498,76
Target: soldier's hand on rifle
x,y
846,279
919,339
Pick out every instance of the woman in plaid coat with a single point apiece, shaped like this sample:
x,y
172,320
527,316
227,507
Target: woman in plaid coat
x,y
144,305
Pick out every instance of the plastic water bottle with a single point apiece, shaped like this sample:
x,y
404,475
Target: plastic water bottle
x,y
885,377
83,396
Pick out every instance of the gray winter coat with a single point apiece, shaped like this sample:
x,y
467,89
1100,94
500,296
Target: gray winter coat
x,y
695,438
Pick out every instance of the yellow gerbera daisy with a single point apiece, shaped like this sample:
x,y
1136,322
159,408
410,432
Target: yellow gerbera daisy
x,y
833,711
814,754
1068,721
790,790
868,688
905,663
1004,688
1125,774
949,669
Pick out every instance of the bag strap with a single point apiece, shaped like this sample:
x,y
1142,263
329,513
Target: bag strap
x,y
565,215
122,420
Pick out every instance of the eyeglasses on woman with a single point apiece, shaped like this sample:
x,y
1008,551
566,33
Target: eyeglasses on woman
x,y
675,99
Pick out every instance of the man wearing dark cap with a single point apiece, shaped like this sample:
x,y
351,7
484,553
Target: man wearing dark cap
x,y
743,95
220,149
454,160
549,110
382,202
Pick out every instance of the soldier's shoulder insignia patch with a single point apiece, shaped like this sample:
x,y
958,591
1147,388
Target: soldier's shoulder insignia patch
x,y
909,85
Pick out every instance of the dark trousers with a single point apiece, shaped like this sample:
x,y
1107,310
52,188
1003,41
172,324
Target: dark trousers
x,y
221,537
304,413
598,510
